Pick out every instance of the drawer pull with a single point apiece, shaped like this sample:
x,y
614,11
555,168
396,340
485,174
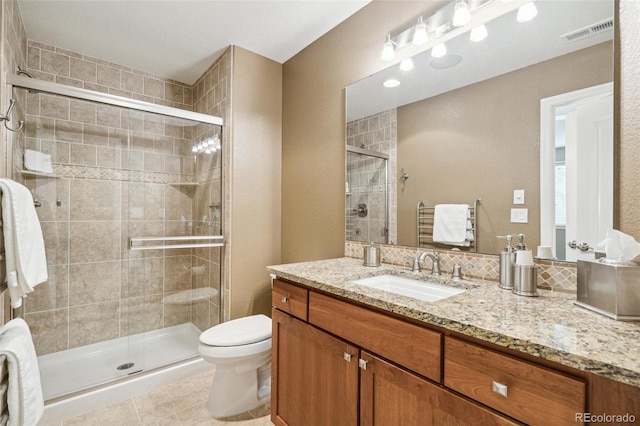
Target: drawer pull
x,y
362,364
499,388
347,357
285,299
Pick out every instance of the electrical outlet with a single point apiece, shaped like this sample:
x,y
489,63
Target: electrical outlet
x,y
519,215
518,196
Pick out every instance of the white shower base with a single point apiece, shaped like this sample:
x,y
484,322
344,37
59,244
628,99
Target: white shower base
x,y
68,372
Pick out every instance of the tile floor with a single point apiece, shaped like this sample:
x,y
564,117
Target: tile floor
x,y
177,404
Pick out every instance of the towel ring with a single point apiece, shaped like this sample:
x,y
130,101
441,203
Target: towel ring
x,y
6,118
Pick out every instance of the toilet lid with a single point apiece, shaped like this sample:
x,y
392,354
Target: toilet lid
x,y
241,331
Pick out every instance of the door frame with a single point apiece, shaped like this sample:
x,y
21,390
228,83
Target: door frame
x,y
548,108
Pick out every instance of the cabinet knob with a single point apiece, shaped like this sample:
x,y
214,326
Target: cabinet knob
x,y
285,299
347,357
499,388
362,364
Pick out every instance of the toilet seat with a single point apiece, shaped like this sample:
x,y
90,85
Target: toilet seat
x,y
222,352
238,332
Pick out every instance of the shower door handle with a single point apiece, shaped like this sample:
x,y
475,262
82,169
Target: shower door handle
x,y
196,241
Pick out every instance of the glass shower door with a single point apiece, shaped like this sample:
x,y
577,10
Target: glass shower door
x,y
173,242
118,173
366,196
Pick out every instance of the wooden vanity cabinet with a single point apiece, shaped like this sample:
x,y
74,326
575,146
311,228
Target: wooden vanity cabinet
x,y
335,362
314,377
520,389
390,395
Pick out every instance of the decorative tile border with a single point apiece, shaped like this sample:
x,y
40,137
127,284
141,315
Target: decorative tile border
x,y
106,173
556,276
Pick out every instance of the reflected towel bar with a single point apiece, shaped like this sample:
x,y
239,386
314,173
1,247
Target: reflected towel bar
x,y
136,243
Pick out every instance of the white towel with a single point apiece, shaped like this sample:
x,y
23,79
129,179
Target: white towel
x,y
24,394
452,224
23,241
37,161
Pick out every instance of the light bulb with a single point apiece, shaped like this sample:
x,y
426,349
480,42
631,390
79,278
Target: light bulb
x,y
388,50
200,146
392,82
439,50
478,33
527,12
420,35
461,15
194,149
406,64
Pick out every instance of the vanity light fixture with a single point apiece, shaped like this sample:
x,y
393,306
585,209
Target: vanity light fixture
x,y
478,33
406,64
439,50
392,82
420,35
527,12
388,49
461,15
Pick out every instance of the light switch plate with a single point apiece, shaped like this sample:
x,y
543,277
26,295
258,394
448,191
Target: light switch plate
x,y
519,215
518,196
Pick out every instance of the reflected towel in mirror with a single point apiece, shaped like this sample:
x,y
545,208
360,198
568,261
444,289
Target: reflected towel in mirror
x,y
452,225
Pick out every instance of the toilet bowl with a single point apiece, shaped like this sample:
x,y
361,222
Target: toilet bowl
x,y
241,352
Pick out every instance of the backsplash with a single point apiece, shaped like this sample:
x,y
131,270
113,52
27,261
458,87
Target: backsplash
x,y
556,276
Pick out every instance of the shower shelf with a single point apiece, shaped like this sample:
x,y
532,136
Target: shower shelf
x,y
30,173
184,184
192,295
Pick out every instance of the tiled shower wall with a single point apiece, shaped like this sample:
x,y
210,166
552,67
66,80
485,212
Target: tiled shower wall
x,y
98,289
212,95
366,178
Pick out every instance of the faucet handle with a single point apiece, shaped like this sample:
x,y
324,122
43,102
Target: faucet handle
x,y
457,272
415,263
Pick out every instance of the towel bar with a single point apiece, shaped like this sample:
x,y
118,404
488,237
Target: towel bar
x,y
4,386
424,224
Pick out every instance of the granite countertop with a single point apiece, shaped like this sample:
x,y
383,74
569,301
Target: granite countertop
x,y
549,326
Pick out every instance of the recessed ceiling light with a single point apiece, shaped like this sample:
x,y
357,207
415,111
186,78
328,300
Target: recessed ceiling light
x,y
392,82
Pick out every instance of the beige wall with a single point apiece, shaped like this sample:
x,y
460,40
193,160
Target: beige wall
x,y
628,80
313,168
313,124
480,141
255,180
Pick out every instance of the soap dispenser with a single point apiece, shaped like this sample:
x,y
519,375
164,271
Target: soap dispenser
x,y
507,260
525,272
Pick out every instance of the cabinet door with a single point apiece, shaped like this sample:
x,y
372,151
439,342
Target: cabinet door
x,y
314,376
391,396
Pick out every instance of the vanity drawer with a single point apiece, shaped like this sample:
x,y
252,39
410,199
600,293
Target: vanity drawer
x,y
520,389
416,348
290,298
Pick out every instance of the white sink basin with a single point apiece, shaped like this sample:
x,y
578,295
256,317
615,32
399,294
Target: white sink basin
x,y
421,290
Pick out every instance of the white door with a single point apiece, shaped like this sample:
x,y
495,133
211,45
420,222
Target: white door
x,y
589,160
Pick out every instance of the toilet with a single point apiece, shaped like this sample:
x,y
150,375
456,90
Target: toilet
x,y
241,352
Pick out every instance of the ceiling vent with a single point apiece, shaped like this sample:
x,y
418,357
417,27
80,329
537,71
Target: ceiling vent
x,y
589,31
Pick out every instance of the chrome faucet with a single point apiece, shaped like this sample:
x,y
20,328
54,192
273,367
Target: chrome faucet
x,y
416,261
435,262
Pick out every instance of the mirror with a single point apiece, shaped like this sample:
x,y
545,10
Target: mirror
x,y
467,126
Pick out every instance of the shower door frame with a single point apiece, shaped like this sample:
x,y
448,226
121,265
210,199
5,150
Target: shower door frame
x,y
109,99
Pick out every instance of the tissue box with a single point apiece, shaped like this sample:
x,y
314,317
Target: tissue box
x,y
610,288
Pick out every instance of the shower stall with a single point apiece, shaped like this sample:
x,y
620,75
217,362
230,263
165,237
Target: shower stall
x,y
367,200
129,197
